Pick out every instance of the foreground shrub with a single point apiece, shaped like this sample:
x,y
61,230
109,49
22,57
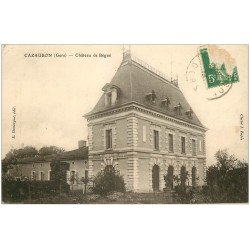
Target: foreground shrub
x,y
227,180
108,180
19,190
227,185
184,194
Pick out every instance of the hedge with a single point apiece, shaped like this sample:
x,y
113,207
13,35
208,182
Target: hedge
x,y
16,190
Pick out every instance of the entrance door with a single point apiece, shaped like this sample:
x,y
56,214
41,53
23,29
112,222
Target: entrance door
x,y
156,178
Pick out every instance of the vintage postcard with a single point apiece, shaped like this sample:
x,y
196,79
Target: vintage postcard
x,y
124,124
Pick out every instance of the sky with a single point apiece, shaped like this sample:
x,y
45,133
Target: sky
x,y
51,95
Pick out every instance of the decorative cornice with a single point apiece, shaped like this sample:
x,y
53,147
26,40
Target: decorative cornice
x,y
141,108
161,153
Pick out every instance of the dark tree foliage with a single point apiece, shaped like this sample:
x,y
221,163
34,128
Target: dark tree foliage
x,y
50,150
227,180
59,171
14,154
19,190
183,176
108,180
169,177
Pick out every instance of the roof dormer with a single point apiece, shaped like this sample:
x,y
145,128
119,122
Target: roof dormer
x,y
189,113
111,94
166,102
178,109
151,97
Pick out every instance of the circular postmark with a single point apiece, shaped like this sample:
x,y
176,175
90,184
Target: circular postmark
x,y
212,72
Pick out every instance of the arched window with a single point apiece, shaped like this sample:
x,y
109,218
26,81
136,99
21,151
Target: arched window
x,y
170,177
156,178
109,168
194,176
183,176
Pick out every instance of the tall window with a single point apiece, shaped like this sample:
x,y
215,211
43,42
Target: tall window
x,y
156,139
108,138
183,176
194,173
183,145
171,142
41,176
193,147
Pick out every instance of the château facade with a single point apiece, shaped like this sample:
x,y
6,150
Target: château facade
x,y
143,126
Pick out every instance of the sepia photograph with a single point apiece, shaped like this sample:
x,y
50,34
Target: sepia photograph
x,y
125,124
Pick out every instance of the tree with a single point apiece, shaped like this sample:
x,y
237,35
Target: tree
x,y
50,150
224,160
14,154
58,174
169,178
227,180
27,151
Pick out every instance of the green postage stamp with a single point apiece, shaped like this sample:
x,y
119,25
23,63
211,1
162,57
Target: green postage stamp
x,y
218,67
212,72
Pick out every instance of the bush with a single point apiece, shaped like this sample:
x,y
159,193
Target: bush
x,y
108,180
227,185
184,194
227,180
19,190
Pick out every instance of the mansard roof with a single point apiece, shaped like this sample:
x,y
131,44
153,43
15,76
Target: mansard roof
x,y
136,81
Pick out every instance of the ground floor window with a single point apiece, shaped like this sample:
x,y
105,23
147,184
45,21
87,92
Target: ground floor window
x,y
156,178
109,168
183,176
194,176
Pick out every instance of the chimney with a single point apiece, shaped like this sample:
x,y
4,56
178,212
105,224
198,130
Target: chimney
x,y
81,144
